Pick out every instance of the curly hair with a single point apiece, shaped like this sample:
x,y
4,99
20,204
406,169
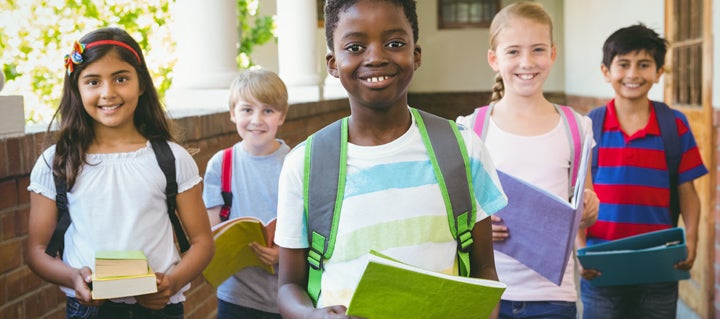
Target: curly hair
x,y
333,8
75,126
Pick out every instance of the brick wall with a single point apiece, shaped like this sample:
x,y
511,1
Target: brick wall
x,y
23,295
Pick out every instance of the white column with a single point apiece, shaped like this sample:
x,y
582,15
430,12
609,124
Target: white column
x,y
12,121
207,46
298,59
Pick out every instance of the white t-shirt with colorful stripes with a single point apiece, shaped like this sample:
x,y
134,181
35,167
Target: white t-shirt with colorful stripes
x,y
392,204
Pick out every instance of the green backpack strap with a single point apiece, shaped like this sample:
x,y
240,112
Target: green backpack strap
x,y
325,170
451,166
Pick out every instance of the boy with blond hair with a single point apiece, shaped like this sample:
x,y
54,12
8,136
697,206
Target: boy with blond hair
x,y
258,106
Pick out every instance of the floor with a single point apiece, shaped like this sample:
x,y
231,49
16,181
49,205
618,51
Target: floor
x,y
683,312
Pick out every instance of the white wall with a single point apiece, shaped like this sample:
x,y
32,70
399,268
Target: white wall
x,y
587,24
456,60
453,60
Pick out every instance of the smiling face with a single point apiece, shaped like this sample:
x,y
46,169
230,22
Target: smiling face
x,y
374,54
524,55
110,88
632,75
257,124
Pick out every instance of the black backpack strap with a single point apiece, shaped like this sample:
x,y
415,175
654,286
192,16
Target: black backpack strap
x,y
166,160
56,246
673,154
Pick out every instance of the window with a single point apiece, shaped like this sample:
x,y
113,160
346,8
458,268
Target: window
x,y
455,14
686,53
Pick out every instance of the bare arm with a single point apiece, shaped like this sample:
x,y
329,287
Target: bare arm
x,y
214,215
41,224
192,214
202,247
292,280
581,242
482,259
591,203
690,210
293,299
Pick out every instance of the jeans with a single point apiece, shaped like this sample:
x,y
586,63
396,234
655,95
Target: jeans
x,y
112,310
228,310
537,309
657,301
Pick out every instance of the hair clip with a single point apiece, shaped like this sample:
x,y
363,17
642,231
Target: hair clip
x,y
74,57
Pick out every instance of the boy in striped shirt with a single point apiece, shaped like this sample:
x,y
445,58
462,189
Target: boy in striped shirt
x,y
632,180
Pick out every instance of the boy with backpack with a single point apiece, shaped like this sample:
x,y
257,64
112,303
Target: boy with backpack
x,y
645,162
243,181
379,173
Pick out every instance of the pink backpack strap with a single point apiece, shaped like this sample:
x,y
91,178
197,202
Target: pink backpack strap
x,y
573,130
482,119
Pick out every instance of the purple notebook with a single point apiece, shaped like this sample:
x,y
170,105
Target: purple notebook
x,y
542,225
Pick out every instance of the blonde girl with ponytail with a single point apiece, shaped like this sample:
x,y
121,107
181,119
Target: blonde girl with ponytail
x,y
527,138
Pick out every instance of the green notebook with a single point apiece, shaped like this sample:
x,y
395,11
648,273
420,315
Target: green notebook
x,y
392,289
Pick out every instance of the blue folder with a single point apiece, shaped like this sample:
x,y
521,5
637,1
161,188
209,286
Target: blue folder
x,y
640,259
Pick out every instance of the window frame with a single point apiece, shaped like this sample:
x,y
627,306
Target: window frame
x,y
448,25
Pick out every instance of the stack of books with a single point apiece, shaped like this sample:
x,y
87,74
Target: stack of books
x,y
122,274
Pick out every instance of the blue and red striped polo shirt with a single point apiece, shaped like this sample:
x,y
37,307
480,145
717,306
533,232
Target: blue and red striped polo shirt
x,y
632,181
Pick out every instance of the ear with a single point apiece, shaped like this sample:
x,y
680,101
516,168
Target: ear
x,y
232,114
492,60
606,72
282,119
553,53
660,72
417,56
331,64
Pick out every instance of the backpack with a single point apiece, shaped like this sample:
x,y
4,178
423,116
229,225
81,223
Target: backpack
x,y
571,126
225,190
165,159
671,141
324,187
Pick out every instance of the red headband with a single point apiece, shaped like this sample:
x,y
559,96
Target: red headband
x,y
75,57
113,42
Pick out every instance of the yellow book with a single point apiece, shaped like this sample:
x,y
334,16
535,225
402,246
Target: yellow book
x,y
120,263
124,286
232,247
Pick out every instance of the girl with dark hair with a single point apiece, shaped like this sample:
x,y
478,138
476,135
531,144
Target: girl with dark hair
x,y
108,114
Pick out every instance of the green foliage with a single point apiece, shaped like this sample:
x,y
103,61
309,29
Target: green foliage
x,y
35,35
252,34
